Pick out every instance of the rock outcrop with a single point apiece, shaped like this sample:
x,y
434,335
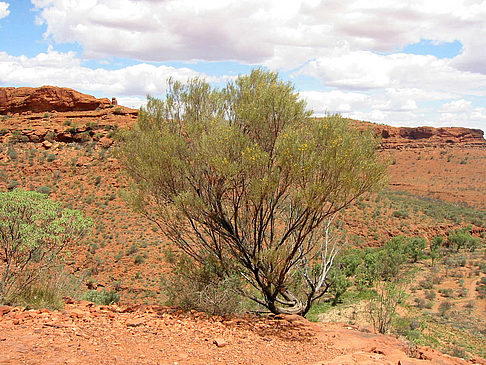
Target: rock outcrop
x,y
406,137
47,99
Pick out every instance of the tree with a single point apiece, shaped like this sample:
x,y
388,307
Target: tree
x,y
435,247
33,231
462,238
416,248
245,176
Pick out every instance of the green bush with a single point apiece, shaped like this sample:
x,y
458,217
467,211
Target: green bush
x,y
462,238
402,214
200,287
12,153
445,307
139,259
448,293
12,184
44,190
416,248
103,297
50,157
430,295
42,230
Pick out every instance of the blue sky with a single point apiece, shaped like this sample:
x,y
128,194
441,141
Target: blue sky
x,y
389,62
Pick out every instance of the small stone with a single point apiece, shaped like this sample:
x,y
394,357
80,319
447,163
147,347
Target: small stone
x,y
4,309
46,144
77,313
105,142
135,322
220,342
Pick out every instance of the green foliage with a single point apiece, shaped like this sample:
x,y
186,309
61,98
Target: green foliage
x,y
416,248
382,307
435,246
462,238
44,190
437,209
245,176
200,287
12,153
47,290
139,259
33,231
102,297
12,184
401,214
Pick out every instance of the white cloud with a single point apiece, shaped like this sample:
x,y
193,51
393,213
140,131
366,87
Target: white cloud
x,y
282,34
4,12
455,106
361,70
131,102
65,69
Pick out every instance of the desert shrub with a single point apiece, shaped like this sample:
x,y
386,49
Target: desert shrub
x,y
462,238
382,306
408,327
92,248
402,214
118,256
48,290
393,257
33,231
420,302
462,292
12,184
245,176
461,260
139,259
415,248
44,190
445,307
429,304
12,153
132,250
50,157
102,297
430,295
200,287
426,283
448,293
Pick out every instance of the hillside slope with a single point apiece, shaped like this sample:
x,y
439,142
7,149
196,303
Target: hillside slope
x,y
68,151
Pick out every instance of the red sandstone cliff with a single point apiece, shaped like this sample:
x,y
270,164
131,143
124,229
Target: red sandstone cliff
x,y
47,99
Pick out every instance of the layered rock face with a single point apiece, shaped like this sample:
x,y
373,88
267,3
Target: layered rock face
x,y
47,99
408,137
454,135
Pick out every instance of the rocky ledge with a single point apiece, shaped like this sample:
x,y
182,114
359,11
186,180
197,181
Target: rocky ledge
x,y
47,99
409,137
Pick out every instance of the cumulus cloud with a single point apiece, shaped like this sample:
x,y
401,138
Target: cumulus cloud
x,y
4,12
280,34
65,69
362,70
